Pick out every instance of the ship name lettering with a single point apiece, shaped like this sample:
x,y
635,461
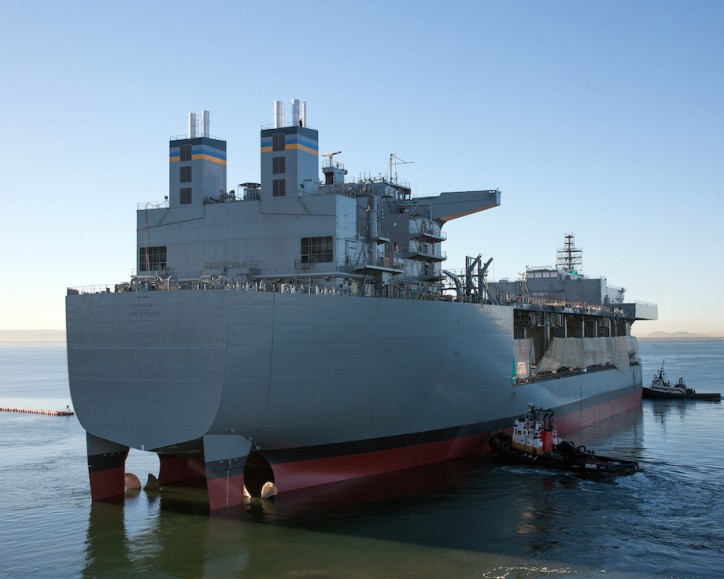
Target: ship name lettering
x,y
144,314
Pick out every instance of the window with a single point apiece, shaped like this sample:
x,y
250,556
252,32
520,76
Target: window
x,y
280,187
185,153
279,142
279,165
186,174
185,196
317,249
152,258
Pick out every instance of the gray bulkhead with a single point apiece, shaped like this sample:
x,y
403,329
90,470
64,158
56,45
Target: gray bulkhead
x,y
246,238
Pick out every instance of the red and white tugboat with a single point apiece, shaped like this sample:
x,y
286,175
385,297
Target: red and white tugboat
x,y
535,442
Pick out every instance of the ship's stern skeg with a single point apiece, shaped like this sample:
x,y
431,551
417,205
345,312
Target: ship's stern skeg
x,y
225,458
106,468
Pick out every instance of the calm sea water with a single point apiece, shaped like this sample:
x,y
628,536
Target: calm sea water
x,y
468,518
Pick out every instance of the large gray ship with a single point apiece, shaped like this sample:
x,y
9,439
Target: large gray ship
x,y
298,331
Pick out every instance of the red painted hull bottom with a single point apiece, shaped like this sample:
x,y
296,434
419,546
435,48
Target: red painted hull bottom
x,y
225,492
292,469
225,487
299,474
289,476
179,470
574,421
107,475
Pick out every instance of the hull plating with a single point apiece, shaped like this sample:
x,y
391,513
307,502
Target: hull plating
x,y
303,468
324,387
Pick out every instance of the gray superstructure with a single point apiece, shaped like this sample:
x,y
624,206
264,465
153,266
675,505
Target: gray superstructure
x,y
297,332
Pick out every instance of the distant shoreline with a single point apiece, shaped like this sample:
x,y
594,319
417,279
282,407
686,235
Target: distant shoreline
x,y
32,336
678,336
674,338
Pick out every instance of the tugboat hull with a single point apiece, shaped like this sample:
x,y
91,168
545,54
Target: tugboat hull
x,y
566,457
650,394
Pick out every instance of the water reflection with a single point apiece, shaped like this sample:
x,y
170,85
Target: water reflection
x,y
105,546
139,537
167,542
664,410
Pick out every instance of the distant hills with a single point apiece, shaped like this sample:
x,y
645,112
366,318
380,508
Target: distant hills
x,y
31,336
677,336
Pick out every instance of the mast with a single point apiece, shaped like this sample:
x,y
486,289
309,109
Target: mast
x,y
569,258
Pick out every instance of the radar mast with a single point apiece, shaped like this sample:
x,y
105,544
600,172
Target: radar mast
x,y
569,257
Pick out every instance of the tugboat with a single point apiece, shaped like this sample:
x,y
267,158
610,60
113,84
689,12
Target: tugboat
x,y
662,389
535,442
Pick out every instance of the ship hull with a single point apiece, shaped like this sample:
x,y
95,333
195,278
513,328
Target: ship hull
x,y
302,390
298,468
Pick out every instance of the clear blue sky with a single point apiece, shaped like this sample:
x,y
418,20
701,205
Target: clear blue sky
x,y
604,119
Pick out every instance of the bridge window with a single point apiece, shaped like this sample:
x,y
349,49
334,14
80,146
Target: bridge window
x,y
186,174
317,249
185,196
152,258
